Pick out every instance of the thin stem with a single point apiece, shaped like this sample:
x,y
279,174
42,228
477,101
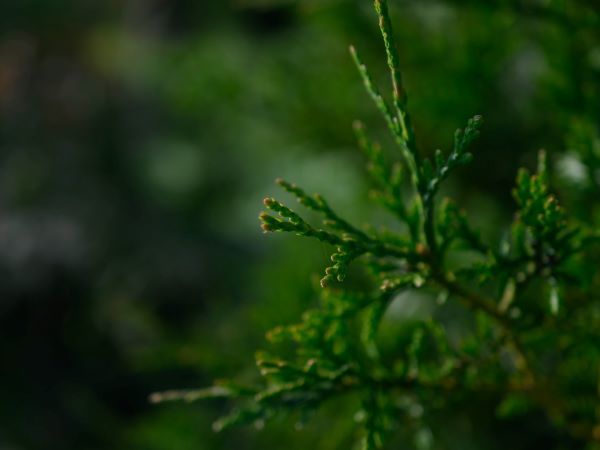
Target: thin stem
x,y
477,302
473,300
429,226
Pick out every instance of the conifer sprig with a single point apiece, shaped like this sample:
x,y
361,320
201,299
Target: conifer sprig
x,y
396,126
393,60
509,354
350,242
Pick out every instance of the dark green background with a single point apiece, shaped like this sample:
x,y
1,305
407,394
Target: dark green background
x,y
137,140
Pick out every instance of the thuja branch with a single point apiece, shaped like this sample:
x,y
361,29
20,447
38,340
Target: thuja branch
x,y
396,126
423,257
399,93
349,241
334,348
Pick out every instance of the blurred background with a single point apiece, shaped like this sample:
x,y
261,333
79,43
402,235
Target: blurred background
x,y
137,140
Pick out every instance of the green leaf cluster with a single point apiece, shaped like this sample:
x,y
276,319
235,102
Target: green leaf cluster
x,y
535,340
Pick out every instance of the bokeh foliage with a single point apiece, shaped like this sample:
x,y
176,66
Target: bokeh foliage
x,y
138,139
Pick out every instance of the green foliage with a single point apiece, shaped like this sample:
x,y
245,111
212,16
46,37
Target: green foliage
x,y
533,343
